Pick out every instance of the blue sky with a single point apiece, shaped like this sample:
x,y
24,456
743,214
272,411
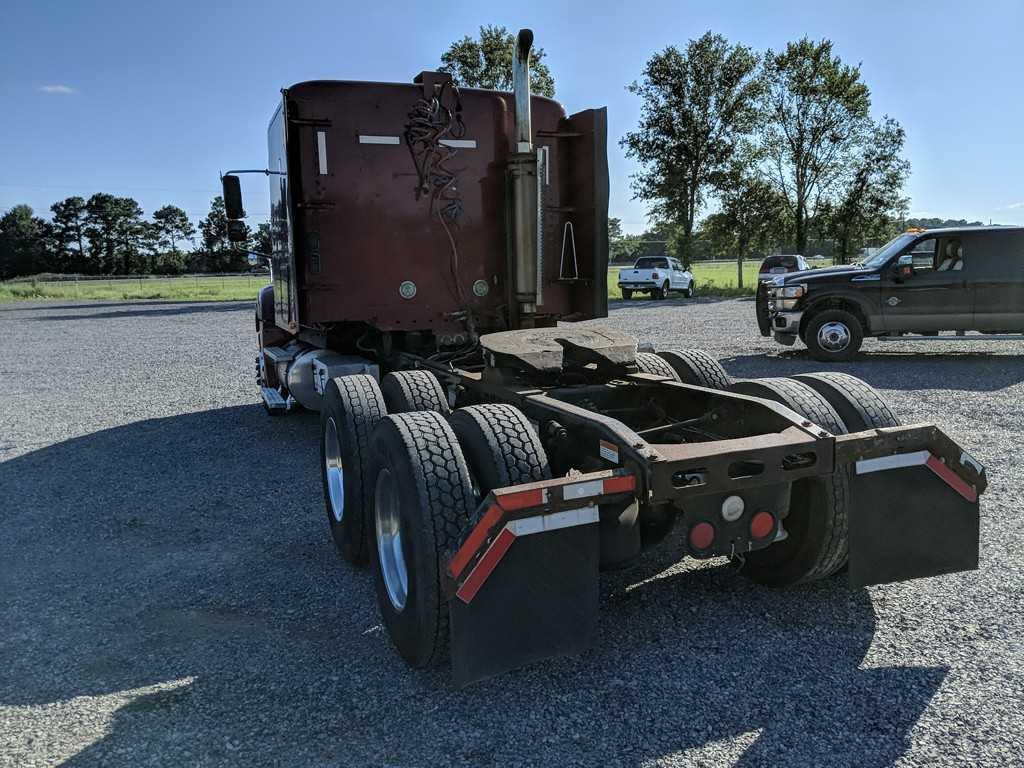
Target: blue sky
x,y
152,100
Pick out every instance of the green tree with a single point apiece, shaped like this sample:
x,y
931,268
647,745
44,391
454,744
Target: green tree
x,y
173,226
752,212
261,240
815,108
22,242
219,254
115,231
870,202
486,62
68,228
697,104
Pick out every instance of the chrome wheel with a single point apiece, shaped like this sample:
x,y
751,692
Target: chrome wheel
x,y
335,470
389,539
834,337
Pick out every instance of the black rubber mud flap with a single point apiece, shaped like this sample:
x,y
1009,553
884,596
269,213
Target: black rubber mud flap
x,y
540,600
912,517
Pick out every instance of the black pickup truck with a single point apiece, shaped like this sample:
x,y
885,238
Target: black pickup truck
x,y
921,283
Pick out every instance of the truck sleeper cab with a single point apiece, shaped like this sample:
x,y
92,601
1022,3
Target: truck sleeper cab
x,y
921,283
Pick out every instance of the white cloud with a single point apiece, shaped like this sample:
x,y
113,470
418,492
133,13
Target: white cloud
x,y
1014,206
61,89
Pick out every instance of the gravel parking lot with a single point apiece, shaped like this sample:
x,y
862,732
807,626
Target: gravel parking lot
x,y
170,594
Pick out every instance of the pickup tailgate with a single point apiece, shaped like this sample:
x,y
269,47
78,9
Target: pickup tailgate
x,y
638,276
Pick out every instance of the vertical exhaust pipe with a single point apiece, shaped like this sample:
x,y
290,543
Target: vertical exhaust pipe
x,y
521,88
522,169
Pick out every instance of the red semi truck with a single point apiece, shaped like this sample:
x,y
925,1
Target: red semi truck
x,y
434,249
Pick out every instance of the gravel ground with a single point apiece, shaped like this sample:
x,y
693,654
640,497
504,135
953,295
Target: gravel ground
x,y
170,594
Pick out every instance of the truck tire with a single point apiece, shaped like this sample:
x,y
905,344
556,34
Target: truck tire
x,y
500,446
353,405
833,335
648,362
698,368
857,403
627,294
418,390
660,293
817,523
422,500
690,289
764,322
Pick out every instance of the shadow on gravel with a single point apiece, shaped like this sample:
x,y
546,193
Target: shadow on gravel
x,y
98,311
42,304
648,303
191,551
968,371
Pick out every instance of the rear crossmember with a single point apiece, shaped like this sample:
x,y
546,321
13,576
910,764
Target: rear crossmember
x,y
522,585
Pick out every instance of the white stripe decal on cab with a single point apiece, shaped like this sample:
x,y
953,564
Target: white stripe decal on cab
x,y
364,139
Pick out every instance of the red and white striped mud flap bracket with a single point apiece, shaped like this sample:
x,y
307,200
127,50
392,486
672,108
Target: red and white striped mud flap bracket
x,y
914,514
523,585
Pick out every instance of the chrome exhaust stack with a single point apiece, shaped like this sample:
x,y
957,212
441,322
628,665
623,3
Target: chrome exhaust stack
x,y
522,169
521,88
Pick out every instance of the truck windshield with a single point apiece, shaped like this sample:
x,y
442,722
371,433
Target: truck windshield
x,y
887,251
651,263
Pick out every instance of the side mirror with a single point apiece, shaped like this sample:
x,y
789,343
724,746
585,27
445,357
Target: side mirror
x,y
253,259
232,197
905,266
237,231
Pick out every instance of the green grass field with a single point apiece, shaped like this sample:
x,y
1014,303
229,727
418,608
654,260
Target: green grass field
x,y
193,288
713,279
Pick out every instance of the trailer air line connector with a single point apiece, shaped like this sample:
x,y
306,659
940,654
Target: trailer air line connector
x,y
522,171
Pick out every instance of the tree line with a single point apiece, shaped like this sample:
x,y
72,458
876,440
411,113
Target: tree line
x,y
743,151
110,235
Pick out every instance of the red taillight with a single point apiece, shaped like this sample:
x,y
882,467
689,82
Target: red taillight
x,y
702,536
761,525
654,275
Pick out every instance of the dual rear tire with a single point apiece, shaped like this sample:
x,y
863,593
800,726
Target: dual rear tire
x,y
817,524
402,489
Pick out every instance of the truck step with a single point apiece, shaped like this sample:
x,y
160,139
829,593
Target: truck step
x,y
279,354
273,400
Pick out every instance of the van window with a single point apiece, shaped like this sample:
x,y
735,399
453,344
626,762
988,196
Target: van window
x,y
951,256
923,255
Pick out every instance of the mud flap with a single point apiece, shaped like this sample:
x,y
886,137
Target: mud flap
x,y
540,602
523,584
911,516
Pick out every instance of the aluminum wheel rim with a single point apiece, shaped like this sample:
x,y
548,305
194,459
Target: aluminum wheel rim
x,y
335,470
835,337
389,540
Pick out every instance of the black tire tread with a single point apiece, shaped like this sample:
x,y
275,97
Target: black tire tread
x,y
807,403
857,403
415,390
649,362
515,448
696,367
362,407
443,485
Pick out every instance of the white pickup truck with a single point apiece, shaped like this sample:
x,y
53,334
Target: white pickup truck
x,y
656,275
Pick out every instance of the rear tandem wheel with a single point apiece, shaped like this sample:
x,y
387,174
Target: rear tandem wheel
x,y
422,501
816,525
352,407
